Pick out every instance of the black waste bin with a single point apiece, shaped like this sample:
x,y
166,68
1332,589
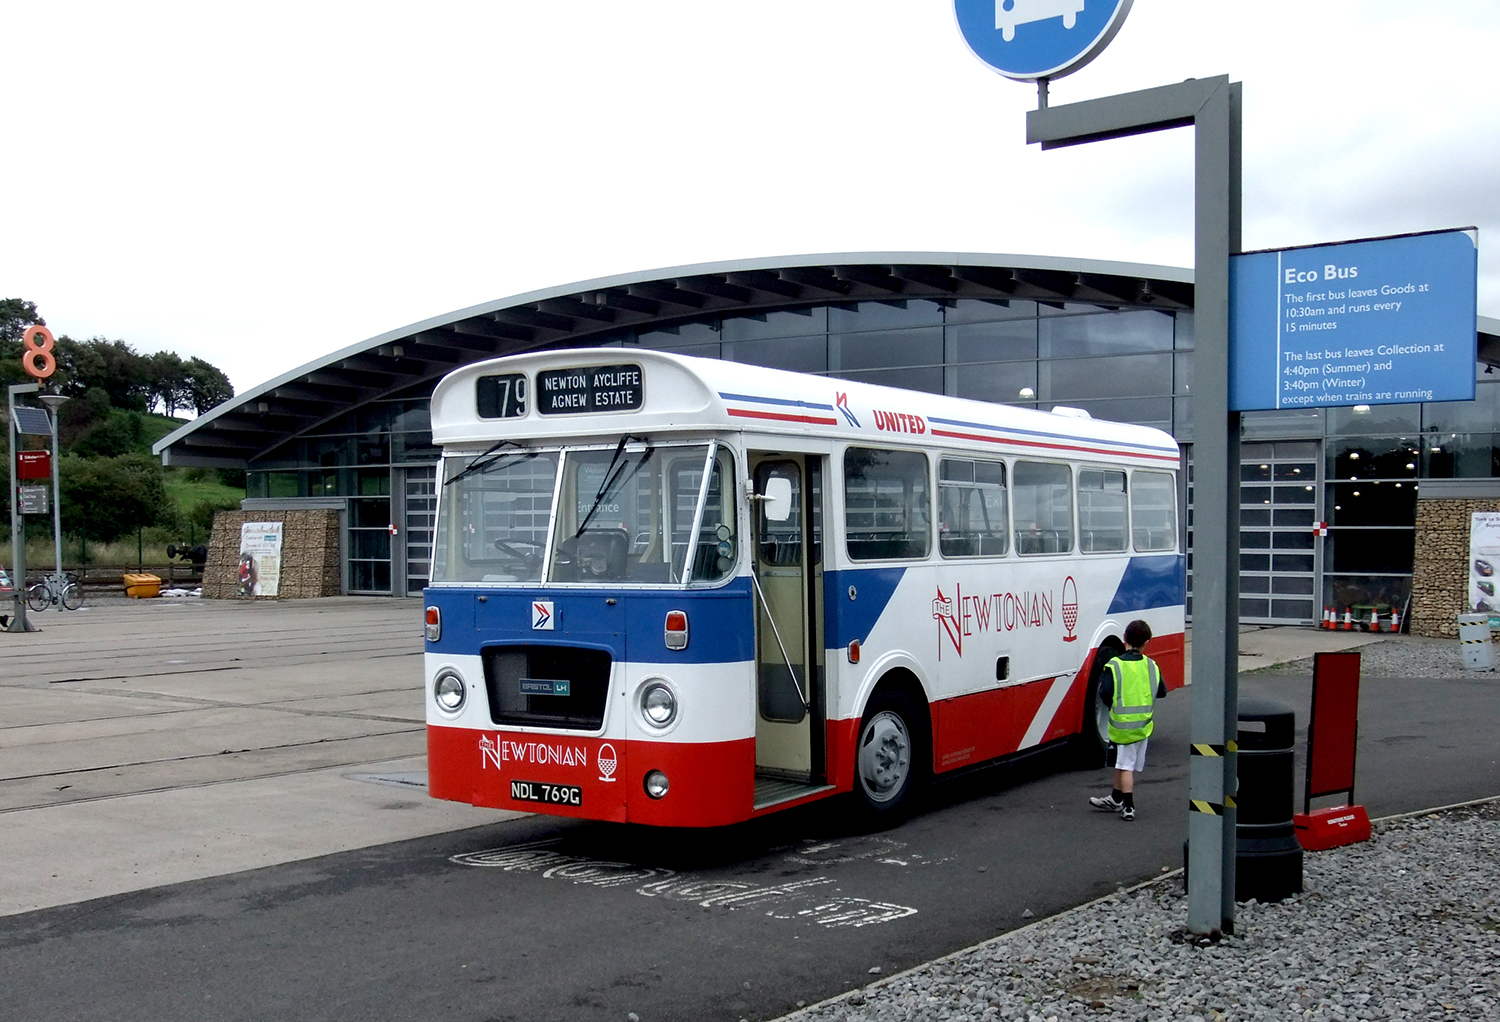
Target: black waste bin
x,y
1267,858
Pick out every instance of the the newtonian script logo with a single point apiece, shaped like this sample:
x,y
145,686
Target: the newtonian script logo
x,y
498,751
960,615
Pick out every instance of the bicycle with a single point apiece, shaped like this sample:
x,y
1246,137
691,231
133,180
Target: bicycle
x,y
54,590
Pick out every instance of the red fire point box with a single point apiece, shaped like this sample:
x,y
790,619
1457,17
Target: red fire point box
x,y
33,465
1329,828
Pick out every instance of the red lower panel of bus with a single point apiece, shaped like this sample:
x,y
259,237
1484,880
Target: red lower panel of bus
x,y
710,784
1169,652
713,784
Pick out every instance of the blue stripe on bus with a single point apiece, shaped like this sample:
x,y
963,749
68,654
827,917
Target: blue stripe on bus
x,y
720,629
1151,582
775,401
845,620
1051,436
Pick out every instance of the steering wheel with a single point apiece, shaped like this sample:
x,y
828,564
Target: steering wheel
x,y
510,547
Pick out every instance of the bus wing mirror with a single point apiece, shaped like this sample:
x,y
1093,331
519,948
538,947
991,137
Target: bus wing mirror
x,y
777,500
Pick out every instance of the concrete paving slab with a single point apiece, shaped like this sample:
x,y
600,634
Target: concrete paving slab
x,y
71,786
58,856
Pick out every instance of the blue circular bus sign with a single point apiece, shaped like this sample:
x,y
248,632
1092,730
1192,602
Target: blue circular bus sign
x,y
1031,39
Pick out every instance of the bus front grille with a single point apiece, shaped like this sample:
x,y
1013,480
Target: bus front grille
x,y
547,686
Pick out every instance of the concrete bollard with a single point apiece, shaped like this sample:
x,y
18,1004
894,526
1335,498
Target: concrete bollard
x,y
1474,639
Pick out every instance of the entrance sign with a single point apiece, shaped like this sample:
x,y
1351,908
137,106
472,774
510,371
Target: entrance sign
x,y
1385,321
260,559
1031,39
1484,559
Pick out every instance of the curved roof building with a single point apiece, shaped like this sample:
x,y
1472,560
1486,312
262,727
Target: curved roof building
x,y
351,429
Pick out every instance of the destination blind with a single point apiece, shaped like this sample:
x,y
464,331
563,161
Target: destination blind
x,y
614,388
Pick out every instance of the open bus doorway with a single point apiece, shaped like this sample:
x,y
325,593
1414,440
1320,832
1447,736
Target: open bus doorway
x,y
791,704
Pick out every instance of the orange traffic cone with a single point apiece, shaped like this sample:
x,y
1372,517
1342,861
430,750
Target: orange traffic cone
x,y
1374,620
1348,620
1395,622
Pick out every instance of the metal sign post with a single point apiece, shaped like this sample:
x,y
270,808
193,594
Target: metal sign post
x,y
18,621
54,403
1211,106
1042,41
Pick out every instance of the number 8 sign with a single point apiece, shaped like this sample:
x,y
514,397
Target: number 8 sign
x,y
37,343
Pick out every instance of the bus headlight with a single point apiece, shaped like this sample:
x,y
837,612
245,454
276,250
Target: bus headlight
x,y
656,784
658,704
449,690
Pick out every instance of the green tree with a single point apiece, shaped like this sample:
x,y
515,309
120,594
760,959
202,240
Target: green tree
x,y
16,314
167,381
106,498
207,386
116,434
114,366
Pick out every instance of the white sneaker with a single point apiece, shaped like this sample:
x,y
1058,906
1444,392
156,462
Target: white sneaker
x,y
1127,813
1106,802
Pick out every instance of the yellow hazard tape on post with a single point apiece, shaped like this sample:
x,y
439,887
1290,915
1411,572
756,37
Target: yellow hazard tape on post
x,y
1203,749
1211,808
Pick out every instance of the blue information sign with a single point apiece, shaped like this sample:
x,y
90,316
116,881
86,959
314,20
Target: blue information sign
x,y
1031,39
1387,321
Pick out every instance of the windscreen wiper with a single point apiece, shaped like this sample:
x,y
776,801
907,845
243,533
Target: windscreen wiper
x,y
612,476
480,463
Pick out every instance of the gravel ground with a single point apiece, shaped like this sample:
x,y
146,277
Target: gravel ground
x,y
1404,926
1405,656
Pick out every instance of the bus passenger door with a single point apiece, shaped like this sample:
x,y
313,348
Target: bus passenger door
x,y
790,702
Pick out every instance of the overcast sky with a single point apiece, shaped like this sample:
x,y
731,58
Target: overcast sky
x,y
259,185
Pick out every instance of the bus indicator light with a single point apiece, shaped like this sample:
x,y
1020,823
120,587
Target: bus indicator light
x,y
677,629
854,651
434,629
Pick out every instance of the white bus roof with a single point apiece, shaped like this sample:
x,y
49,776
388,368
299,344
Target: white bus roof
x,y
683,394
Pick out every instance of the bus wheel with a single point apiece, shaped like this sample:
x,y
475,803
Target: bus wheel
x,y
1091,745
888,762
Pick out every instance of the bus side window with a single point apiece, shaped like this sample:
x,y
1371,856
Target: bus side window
x,y
1153,499
780,542
1042,496
972,520
887,504
1103,513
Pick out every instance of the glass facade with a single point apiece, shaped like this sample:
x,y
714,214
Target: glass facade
x,y
1355,470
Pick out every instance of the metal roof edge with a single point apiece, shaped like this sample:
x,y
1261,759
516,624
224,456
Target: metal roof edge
x,y
1032,262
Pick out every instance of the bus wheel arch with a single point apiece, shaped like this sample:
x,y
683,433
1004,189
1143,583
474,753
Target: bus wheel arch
x,y
1091,745
893,748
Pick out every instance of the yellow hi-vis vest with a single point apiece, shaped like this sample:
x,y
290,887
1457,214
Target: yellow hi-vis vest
x,y
1135,684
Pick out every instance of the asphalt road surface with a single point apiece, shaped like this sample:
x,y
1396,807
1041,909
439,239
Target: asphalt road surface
x,y
539,918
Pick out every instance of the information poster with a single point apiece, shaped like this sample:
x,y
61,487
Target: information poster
x,y
1484,563
260,559
1389,321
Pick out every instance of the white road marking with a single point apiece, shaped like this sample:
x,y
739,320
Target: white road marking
x,y
792,900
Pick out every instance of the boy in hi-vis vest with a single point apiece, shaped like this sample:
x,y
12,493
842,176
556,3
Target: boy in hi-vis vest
x,y
1131,685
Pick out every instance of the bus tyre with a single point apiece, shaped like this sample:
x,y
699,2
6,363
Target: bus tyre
x,y
1091,745
889,762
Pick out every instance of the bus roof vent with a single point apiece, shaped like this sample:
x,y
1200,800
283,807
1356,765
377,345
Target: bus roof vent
x,y
1073,413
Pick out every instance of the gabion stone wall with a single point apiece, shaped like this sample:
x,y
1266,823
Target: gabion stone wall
x,y
1440,574
310,563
